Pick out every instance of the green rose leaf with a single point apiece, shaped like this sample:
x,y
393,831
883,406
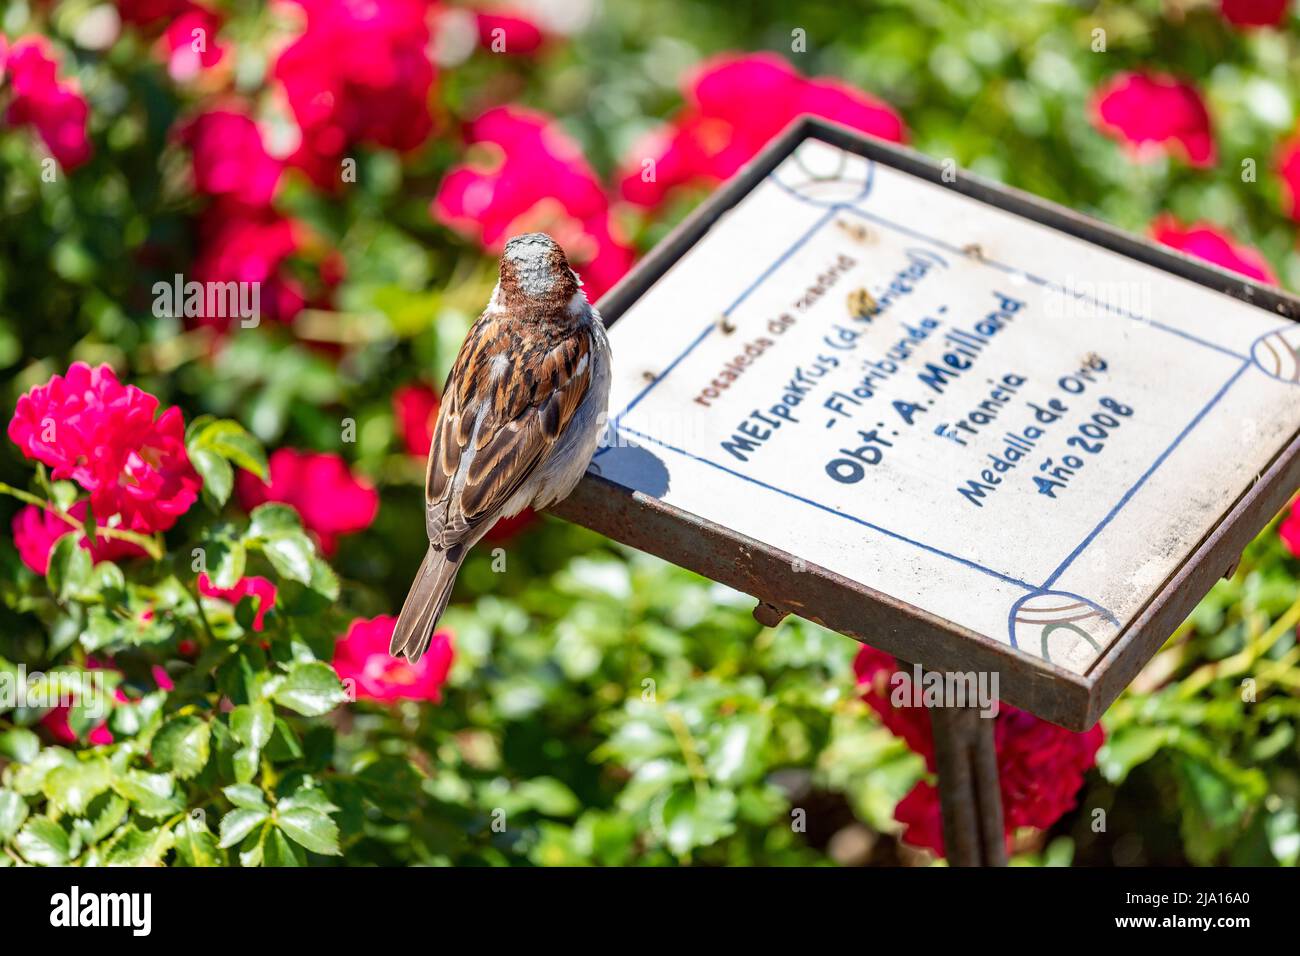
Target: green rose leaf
x,y
323,579
228,561
310,688
69,571
277,851
272,518
13,811
239,823
182,746
65,493
71,787
229,440
310,798
218,477
195,843
135,847
245,761
19,744
153,794
310,828
291,554
43,842
112,813
30,777
694,819
245,795
252,723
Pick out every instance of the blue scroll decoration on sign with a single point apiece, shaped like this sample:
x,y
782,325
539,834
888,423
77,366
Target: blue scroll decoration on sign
x,y
820,177
1041,617
1277,354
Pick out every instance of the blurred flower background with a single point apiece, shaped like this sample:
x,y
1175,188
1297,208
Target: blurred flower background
x,y
363,162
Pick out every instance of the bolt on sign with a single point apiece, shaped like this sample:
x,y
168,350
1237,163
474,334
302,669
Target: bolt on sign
x,y
958,422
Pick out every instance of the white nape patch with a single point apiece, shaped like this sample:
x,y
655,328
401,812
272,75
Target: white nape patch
x,y
494,306
578,304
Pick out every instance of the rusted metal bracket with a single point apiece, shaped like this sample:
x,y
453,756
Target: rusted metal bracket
x,y
969,792
769,615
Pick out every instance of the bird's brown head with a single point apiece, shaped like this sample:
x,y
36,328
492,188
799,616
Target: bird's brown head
x,y
534,270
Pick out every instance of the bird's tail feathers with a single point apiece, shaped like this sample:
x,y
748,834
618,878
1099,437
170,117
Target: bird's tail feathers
x,y
425,603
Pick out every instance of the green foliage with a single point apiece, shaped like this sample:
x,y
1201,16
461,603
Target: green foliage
x,y
604,708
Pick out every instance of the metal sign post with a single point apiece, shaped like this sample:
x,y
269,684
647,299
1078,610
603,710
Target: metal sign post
x,y
966,426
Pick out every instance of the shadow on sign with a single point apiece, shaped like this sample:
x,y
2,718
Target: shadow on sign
x,y
633,467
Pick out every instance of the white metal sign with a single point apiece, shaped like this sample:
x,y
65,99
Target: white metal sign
x,y
998,423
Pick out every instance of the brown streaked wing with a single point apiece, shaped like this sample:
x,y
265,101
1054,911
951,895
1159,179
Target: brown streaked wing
x,y
527,412
456,415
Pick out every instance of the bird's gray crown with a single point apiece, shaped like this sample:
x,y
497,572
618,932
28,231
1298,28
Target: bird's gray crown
x,y
535,261
531,245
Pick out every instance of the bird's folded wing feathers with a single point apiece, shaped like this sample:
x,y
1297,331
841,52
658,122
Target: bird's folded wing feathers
x,y
522,392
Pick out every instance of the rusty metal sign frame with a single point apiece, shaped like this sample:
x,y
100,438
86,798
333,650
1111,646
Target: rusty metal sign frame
x,y
1072,700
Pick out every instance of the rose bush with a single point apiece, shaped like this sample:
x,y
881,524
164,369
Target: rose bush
x,y
212,521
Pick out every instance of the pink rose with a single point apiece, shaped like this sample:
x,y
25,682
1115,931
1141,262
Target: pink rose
x,y
734,105
55,108
1289,529
359,73
92,429
1288,168
540,182
230,160
36,530
1213,245
362,657
262,590
1155,112
241,244
330,500
191,40
517,34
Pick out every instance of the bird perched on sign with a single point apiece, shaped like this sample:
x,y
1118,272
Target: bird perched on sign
x,y
521,415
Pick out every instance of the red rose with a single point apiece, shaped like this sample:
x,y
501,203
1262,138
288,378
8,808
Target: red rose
x,y
415,413
1254,13
1040,766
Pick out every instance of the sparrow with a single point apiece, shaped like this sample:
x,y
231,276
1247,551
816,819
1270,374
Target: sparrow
x,y
522,412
